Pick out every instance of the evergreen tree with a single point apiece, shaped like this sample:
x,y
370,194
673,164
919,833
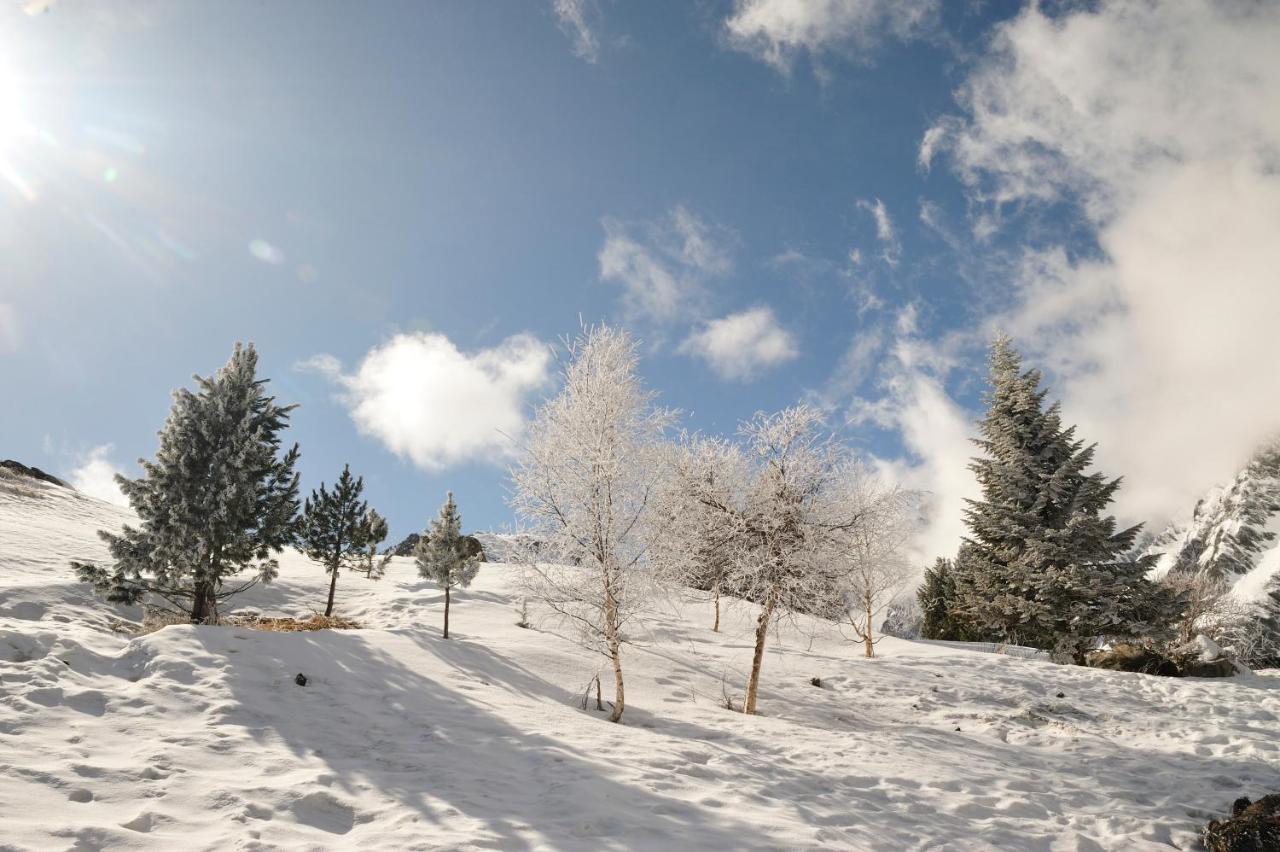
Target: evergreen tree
x,y
444,555
1044,565
338,528
937,596
218,498
369,563
941,597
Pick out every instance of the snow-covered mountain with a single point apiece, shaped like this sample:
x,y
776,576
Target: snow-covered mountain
x,y
199,737
1233,534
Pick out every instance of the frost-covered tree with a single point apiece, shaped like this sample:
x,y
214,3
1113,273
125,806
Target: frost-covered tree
x,y
591,461
692,543
1044,565
786,496
218,498
339,529
444,556
874,564
368,562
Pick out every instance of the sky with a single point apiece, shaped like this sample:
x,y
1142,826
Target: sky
x,y
407,206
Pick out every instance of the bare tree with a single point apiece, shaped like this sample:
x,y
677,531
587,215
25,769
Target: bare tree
x,y
874,564
591,462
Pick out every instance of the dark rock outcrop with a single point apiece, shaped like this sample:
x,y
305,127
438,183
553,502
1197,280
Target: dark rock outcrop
x,y
1136,658
1253,827
16,468
406,547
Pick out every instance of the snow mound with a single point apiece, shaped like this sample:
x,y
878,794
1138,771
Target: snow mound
x,y
199,737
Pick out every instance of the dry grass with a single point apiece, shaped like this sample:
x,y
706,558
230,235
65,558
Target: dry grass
x,y
294,625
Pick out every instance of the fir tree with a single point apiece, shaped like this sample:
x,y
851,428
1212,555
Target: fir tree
x,y
937,596
218,498
338,528
1044,565
444,555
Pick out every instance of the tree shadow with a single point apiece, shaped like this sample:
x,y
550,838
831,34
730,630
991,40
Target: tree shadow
x,y
440,746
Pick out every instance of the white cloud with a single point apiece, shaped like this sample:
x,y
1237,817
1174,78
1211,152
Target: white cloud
x,y
577,20
890,247
1158,122
663,265
913,402
776,31
95,476
437,406
740,345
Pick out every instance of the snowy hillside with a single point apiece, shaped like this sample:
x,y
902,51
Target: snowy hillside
x,y
199,738
1233,535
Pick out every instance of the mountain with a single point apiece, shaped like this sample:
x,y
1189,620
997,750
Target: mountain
x,y
1233,535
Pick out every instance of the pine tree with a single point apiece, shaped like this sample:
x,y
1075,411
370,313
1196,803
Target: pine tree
x,y
218,498
1044,565
369,563
444,555
338,528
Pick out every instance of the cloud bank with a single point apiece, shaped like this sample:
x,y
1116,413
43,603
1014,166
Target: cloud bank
x,y
1157,123
426,400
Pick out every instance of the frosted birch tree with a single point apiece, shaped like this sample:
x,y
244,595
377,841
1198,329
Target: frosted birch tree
x,y
782,496
874,562
591,461
693,543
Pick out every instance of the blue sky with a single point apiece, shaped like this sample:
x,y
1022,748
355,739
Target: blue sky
x,y
838,202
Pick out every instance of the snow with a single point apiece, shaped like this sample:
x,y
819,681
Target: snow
x,y
198,737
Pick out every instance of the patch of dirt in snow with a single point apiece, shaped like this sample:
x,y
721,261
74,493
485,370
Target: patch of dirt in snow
x,y
199,737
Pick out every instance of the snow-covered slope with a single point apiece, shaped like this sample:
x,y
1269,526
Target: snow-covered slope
x,y
198,738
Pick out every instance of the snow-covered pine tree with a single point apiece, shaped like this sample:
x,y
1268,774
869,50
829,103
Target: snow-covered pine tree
x,y
218,498
1044,566
338,528
443,554
591,464
369,563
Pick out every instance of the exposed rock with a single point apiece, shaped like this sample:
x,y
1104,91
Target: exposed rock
x,y
1191,662
1253,827
19,469
406,547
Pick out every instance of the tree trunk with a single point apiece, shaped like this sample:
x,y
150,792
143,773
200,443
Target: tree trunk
x,y
333,585
203,606
866,633
615,652
762,632
446,612
716,627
